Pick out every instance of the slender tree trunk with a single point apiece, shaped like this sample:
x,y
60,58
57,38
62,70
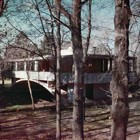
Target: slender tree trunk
x,y
30,90
75,27
29,86
78,92
78,71
58,57
119,83
85,50
138,56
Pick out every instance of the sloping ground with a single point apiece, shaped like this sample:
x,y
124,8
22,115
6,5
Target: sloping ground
x,y
40,124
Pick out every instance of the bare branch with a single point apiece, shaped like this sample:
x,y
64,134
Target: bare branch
x,y
38,10
83,2
50,7
136,15
24,35
3,5
89,31
65,13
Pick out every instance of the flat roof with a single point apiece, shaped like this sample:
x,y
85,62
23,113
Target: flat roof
x,y
99,56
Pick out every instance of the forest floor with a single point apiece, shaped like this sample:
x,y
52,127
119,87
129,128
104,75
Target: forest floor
x,y
20,122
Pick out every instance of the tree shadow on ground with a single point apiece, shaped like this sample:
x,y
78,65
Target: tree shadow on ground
x,y
28,125
132,133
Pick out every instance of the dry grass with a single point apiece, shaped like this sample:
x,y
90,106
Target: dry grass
x,y
22,123
40,124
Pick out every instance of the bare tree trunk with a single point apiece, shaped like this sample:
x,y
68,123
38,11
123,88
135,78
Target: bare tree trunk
x,y
58,57
138,56
78,71
85,50
119,83
78,91
30,90
75,28
29,86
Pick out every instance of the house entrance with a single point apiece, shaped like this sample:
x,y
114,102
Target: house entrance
x,y
89,91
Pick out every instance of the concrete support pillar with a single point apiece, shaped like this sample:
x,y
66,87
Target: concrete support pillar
x,y
134,65
138,60
110,64
25,65
16,66
36,66
138,65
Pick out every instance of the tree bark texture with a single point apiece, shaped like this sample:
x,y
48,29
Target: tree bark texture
x,y
119,83
58,92
78,71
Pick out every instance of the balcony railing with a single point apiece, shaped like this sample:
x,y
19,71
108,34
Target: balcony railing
x,y
89,78
42,75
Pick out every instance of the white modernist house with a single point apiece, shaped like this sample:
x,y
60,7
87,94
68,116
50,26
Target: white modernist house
x,y
41,70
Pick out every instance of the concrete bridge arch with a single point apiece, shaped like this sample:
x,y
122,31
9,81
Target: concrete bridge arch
x,y
40,90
